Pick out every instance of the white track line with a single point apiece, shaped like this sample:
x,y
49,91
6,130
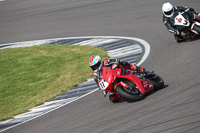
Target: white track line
x,y
40,42
96,42
49,111
143,42
125,51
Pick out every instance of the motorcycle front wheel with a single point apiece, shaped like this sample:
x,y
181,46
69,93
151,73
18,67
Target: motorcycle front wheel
x,y
196,28
133,96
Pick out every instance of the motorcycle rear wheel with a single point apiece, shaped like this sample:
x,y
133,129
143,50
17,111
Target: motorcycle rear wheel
x,y
128,95
157,81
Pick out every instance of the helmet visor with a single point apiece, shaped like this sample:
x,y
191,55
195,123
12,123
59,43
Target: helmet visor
x,y
96,66
169,12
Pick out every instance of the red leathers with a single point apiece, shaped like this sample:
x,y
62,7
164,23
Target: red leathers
x,y
112,64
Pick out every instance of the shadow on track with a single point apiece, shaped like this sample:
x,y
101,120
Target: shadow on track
x,y
121,100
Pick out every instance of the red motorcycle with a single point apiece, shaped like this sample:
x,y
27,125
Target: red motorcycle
x,y
129,84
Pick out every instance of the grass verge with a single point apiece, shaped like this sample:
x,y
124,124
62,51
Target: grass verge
x,y
32,75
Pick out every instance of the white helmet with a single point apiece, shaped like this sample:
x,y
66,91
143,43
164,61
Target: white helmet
x,y
168,9
95,62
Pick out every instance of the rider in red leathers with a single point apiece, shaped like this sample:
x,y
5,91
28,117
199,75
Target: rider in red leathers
x,y
96,64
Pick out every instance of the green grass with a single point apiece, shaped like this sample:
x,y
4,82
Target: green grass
x,y
29,76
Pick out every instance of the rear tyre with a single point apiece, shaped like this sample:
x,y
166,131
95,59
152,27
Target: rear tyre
x,y
128,95
157,81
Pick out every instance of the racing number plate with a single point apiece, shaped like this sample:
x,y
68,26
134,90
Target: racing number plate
x,y
103,84
180,20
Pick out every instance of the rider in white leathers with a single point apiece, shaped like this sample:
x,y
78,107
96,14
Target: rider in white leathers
x,y
168,11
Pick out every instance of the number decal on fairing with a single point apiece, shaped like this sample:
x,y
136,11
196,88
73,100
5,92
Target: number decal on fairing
x,y
103,84
180,20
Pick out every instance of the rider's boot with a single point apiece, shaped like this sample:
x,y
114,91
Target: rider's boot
x,y
179,38
114,97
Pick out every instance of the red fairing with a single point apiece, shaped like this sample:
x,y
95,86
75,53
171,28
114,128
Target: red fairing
x,y
148,86
109,77
107,80
122,84
128,74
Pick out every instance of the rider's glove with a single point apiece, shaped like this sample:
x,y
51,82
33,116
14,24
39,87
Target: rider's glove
x,y
115,65
187,9
134,67
142,70
113,60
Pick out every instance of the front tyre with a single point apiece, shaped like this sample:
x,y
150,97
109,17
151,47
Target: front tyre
x,y
197,28
128,95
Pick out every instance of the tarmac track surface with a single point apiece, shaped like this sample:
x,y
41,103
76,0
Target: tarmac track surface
x,y
176,108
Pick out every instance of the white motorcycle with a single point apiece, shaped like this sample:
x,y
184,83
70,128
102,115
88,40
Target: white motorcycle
x,y
186,22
